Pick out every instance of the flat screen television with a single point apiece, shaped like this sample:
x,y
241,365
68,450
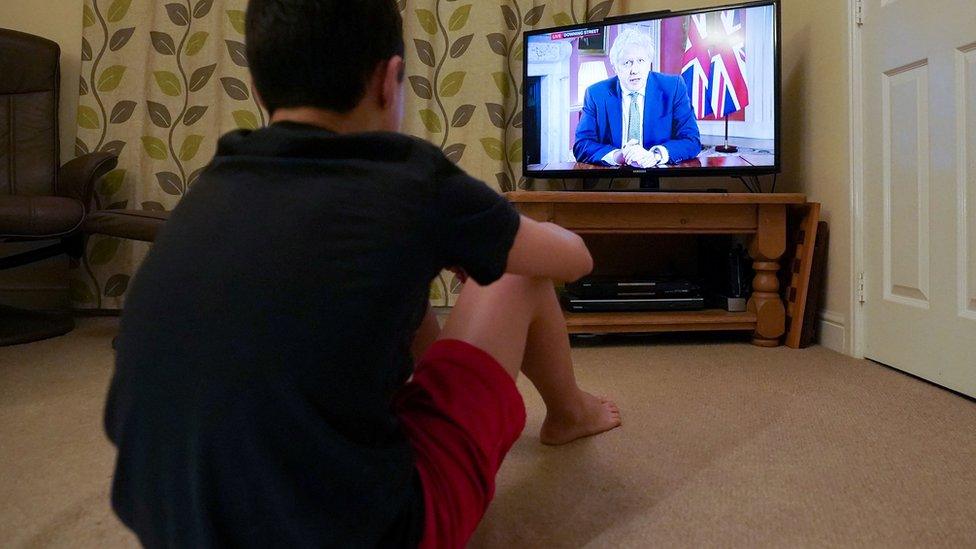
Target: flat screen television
x,y
660,94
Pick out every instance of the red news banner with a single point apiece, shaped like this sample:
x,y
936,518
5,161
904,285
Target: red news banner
x,y
573,34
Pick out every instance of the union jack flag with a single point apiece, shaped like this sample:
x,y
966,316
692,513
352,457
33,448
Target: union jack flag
x,y
730,92
696,66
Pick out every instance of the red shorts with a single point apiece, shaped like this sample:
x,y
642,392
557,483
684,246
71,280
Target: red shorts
x,y
462,414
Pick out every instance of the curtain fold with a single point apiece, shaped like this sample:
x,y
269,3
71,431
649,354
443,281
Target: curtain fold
x,y
464,84
160,82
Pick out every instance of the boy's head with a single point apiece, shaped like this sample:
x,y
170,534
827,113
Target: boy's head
x,y
327,54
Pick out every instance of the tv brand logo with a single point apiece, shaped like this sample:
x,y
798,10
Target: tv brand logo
x,y
573,34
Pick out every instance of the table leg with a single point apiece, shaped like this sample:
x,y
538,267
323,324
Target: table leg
x,y
766,249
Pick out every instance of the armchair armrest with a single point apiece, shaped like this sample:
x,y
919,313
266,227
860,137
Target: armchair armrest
x,y
76,178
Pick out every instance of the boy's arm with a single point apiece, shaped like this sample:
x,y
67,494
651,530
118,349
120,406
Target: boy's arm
x,y
548,250
539,250
480,232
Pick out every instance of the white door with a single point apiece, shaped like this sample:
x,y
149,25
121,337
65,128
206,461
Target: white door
x,y
918,74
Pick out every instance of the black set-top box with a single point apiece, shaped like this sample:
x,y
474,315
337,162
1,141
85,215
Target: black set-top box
x,y
606,295
645,288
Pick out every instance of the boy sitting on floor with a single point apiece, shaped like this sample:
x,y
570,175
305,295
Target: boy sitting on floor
x,y
263,393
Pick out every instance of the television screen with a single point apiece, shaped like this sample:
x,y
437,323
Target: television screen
x,y
662,94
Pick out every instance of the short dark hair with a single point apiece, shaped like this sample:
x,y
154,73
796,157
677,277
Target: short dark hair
x,y
319,53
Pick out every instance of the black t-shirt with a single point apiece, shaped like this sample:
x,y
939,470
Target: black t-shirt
x,y
265,334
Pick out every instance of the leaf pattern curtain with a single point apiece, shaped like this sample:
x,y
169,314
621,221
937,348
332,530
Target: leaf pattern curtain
x,y
160,82
464,80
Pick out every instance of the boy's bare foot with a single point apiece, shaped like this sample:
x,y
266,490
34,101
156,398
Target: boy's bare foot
x,y
597,414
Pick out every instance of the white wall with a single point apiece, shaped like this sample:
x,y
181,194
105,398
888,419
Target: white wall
x,y
816,137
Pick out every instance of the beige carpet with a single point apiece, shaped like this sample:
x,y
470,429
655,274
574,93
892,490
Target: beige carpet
x,y
724,445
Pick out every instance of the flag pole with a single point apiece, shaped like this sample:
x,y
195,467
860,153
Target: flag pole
x,y
727,148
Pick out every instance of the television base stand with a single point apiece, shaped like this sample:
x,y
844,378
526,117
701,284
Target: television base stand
x,y
650,183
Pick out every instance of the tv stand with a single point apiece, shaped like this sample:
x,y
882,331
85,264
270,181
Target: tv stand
x,y
761,215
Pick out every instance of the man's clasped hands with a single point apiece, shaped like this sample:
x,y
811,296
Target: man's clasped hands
x,y
633,154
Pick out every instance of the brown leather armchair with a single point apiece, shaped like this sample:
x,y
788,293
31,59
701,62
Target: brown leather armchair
x,y
38,199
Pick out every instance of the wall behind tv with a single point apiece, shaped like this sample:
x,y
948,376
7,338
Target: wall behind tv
x,y
816,137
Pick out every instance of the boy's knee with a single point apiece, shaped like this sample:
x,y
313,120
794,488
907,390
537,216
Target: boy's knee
x,y
511,290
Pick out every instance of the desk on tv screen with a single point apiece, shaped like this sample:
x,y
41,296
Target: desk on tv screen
x,y
738,161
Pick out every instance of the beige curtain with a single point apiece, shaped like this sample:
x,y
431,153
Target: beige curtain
x,y
162,81
464,72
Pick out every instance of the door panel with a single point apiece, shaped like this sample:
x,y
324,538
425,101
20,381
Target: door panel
x,y
919,104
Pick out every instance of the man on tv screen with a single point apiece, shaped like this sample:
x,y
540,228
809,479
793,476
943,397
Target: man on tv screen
x,y
637,118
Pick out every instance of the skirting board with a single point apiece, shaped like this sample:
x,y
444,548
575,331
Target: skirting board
x,y
832,333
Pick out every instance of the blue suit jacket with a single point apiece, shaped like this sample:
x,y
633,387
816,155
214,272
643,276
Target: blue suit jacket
x,y
668,119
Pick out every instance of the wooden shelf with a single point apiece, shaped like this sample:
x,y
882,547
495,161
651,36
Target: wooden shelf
x,y
760,216
659,321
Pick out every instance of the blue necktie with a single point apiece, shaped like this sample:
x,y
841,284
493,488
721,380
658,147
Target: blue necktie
x,y
633,122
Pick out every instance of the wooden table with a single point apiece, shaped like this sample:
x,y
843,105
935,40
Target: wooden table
x,y
761,215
